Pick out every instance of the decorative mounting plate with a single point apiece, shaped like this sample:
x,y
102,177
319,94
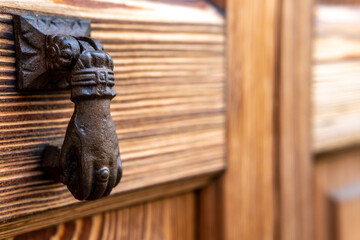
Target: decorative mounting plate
x,y
30,39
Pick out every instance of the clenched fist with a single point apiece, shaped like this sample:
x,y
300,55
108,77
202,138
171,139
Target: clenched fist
x,y
90,158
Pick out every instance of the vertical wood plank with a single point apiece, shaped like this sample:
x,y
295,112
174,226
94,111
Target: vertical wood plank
x,y
168,219
248,194
209,210
295,163
267,189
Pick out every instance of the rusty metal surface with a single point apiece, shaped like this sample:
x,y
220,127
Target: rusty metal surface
x,y
55,53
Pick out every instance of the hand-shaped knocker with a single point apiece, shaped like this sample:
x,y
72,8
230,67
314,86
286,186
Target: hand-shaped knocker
x,y
54,53
89,160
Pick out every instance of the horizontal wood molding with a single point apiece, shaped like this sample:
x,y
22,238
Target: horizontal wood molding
x,y
49,218
336,78
170,218
169,111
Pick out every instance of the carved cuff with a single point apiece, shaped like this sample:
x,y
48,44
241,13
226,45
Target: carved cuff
x,y
92,76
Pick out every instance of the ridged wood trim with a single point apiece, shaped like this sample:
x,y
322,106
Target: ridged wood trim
x,y
49,218
170,218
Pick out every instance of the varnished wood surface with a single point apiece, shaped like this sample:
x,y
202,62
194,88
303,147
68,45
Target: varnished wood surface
x,y
169,111
334,171
167,219
248,196
336,77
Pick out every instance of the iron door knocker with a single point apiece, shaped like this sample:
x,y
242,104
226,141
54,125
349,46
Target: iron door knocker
x,y
58,53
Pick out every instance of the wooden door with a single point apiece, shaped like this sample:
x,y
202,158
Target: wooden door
x,y
169,115
237,120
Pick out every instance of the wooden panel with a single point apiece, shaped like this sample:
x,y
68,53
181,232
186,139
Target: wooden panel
x,y
71,212
169,111
267,187
345,213
333,171
171,218
336,78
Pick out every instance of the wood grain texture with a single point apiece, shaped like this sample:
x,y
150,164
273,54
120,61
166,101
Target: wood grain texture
x,y
267,190
333,171
345,212
336,78
248,196
170,218
169,110
294,167
48,218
